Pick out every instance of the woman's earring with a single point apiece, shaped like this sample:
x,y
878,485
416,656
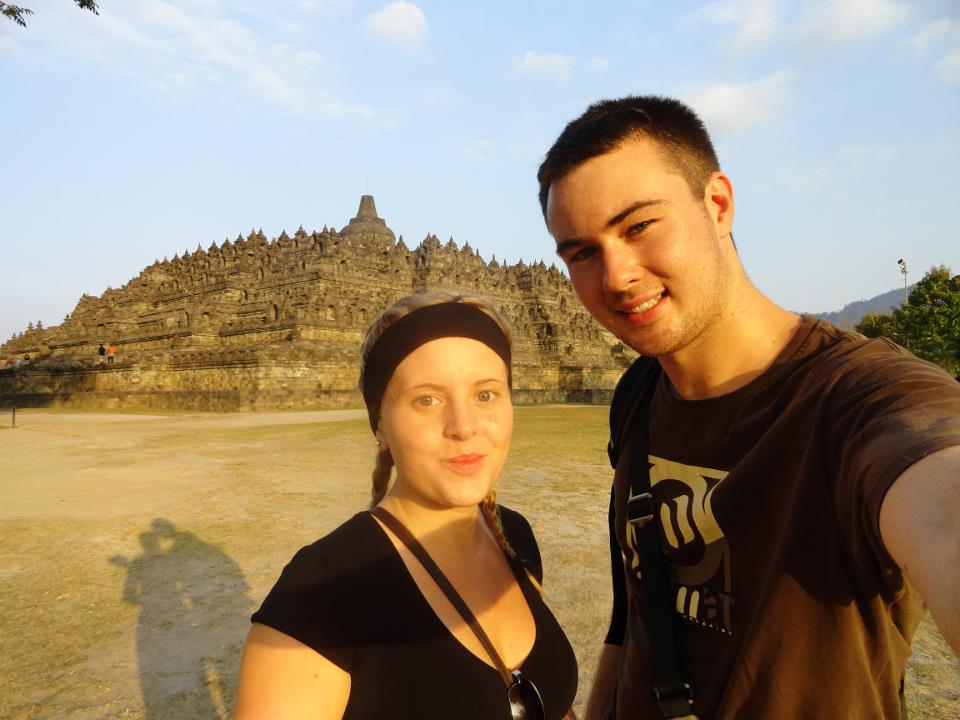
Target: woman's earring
x,y
377,441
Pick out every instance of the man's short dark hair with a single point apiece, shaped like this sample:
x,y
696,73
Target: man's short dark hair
x,y
607,124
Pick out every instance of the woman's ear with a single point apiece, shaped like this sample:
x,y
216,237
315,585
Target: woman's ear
x,y
382,445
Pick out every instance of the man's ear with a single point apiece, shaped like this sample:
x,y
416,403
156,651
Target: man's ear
x,y
718,200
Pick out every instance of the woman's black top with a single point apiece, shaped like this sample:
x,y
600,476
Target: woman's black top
x,y
350,597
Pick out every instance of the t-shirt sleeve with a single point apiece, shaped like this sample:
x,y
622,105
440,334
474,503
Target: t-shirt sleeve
x,y
618,616
885,410
520,536
310,604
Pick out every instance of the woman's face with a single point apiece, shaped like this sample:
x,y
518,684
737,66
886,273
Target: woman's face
x,y
447,418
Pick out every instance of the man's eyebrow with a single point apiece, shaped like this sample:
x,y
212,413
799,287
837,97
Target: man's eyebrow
x,y
633,207
564,244
615,220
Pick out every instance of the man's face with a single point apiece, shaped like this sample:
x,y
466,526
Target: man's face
x,y
647,258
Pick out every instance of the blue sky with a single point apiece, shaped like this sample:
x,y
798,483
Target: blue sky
x,y
163,124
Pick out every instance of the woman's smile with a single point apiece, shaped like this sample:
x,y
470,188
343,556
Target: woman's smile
x,y
465,464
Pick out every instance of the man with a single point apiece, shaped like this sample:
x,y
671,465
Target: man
x,y
806,481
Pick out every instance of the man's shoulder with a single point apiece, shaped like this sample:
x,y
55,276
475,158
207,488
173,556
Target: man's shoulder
x,y
843,356
839,378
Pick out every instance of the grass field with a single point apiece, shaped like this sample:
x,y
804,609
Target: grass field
x,y
133,548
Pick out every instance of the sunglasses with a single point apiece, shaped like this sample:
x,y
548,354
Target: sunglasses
x,y
525,700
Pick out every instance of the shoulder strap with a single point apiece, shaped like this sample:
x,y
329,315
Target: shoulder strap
x,y
414,546
629,427
634,390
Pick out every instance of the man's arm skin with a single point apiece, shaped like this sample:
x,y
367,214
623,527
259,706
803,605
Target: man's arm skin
x,y
604,681
608,664
920,527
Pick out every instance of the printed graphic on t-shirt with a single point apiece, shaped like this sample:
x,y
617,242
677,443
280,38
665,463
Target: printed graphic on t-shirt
x,y
697,553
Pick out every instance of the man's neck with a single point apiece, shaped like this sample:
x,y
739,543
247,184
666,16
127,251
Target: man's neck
x,y
740,347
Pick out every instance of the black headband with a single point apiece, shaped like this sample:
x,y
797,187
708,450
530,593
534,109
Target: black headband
x,y
449,319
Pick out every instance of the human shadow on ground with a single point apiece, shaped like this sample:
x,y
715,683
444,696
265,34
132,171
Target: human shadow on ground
x,y
194,612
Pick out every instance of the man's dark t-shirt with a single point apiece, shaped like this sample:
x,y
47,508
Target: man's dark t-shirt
x,y
769,497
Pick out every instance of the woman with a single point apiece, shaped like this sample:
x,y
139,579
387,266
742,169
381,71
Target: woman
x,y
428,605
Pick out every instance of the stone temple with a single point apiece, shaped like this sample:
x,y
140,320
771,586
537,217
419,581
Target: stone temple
x,y
255,324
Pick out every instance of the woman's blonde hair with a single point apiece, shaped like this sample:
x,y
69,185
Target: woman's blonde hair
x,y
383,469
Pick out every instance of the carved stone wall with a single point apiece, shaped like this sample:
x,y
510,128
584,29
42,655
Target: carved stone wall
x,y
252,324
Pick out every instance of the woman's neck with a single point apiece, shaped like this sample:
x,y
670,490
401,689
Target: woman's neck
x,y
456,534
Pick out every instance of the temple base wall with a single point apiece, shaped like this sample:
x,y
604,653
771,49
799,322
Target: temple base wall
x,y
250,385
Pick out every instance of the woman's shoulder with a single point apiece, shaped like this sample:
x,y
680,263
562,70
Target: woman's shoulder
x,y
514,521
327,572
520,535
356,530
350,543
324,593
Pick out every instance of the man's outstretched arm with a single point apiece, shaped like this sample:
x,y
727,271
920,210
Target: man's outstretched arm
x,y
920,527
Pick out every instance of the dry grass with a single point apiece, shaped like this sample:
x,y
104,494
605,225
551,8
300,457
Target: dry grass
x,y
133,548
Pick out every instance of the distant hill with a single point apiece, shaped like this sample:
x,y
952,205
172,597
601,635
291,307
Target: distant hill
x,y
851,313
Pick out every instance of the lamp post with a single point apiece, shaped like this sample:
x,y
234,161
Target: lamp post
x,y
903,271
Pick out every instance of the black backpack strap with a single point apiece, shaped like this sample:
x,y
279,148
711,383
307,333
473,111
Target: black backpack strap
x,y
629,428
638,381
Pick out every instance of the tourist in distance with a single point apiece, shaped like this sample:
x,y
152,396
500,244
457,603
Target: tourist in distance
x,y
428,606
102,352
803,488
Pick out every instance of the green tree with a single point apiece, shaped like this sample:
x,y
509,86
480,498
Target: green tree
x,y
928,324
877,324
16,13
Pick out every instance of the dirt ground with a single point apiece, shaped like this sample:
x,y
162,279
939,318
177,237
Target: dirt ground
x,y
134,547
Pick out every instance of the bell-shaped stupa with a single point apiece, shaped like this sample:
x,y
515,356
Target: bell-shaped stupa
x,y
368,228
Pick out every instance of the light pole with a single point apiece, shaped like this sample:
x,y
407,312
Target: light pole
x,y
903,271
